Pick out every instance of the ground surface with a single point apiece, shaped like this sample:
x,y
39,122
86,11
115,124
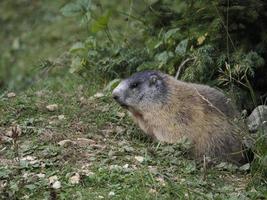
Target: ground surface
x,y
91,140
85,146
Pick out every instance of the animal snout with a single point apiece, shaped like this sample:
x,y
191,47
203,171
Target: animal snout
x,y
118,98
115,95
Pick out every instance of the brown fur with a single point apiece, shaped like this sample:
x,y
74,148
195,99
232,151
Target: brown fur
x,y
198,112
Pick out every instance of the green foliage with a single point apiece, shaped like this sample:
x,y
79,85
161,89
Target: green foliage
x,y
81,8
212,37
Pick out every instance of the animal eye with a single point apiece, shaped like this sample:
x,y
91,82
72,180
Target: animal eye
x,y
134,85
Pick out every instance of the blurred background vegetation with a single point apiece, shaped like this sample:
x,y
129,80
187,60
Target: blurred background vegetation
x,y
221,43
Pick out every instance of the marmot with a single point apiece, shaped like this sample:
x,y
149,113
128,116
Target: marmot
x,y
168,109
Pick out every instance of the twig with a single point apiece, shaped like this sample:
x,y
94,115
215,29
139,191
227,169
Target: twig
x,y
181,66
236,80
232,122
225,27
209,103
3,149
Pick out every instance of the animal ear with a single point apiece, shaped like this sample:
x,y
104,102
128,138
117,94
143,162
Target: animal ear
x,y
153,80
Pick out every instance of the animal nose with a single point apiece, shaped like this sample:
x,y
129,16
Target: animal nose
x,y
115,96
118,98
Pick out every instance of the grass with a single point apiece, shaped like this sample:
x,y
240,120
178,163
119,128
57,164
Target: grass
x,y
103,148
106,163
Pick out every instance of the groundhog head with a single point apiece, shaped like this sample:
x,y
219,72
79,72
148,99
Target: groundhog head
x,y
141,91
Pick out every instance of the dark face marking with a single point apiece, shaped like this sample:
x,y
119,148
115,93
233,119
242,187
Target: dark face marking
x,y
141,90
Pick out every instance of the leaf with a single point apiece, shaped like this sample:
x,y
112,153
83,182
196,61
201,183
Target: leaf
x,y
245,167
90,42
4,173
76,65
78,46
190,167
75,179
71,9
85,4
158,45
139,158
101,23
86,17
11,94
181,47
30,186
201,39
52,107
111,85
23,164
164,56
170,33
14,186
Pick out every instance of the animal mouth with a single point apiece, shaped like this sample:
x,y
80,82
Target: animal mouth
x,y
122,104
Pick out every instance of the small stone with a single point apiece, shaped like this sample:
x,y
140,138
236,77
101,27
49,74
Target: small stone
x,y
61,117
161,181
111,193
53,122
88,173
8,133
41,175
26,197
11,94
119,129
52,179
5,139
120,114
82,100
40,93
26,175
65,143
84,142
29,158
257,119
182,180
152,169
99,95
100,197
125,166
139,158
152,191
52,107
104,108
134,167
3,183
56,185
75,179
115,167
